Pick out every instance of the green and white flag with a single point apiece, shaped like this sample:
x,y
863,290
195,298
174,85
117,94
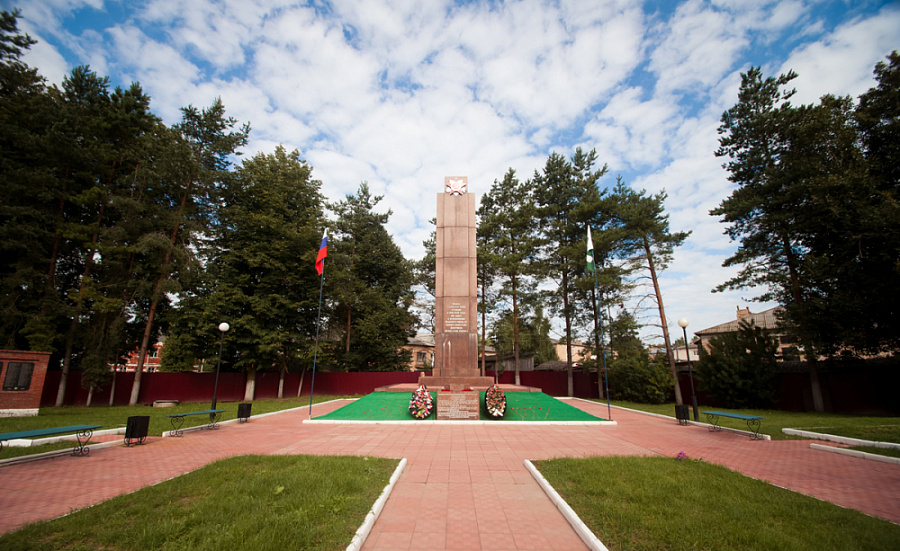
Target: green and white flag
x,y
590,252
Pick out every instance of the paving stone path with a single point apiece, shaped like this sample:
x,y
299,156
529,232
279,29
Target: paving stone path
x,y
457,476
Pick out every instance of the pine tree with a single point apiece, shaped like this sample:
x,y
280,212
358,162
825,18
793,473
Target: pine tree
x,y
648,244
371,284
509,244
567,199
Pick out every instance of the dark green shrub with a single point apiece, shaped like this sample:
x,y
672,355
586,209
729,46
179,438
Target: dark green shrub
x,y
738,371
637,378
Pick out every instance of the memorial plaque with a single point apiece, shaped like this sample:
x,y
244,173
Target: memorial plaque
x,y
457,406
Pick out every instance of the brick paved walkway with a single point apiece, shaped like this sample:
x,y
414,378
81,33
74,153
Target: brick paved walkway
x,y
457,475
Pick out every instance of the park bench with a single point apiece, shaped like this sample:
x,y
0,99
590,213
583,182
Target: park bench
x,y
82,433
753,421
178,419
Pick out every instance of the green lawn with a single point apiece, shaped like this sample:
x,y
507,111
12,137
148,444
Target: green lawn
x,y
117,416
250,502
639,503
520,406
867,427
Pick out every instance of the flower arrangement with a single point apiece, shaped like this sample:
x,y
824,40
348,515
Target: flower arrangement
x,y
495,402
421,404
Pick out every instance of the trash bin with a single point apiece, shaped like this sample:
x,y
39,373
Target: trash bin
x,y
682,413
244,412
136,429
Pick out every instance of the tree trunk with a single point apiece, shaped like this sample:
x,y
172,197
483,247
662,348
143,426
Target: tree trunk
x,y
112,386
516,330
154,303
300,388
663,322
569,377
281,383
90,396
250,387
812,360
70,338
484,327
597,344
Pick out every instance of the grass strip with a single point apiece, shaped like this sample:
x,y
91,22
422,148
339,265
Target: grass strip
x,y
643,503
866,427
117,416
888,452
520,406
250,502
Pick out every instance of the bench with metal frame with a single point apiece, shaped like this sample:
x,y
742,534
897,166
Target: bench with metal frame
x,y
753,421
178,420
82,433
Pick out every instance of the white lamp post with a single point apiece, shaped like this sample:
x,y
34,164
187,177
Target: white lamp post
x,y
223,327
683,323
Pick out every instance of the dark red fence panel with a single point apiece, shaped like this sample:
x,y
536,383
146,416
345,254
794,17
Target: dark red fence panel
x,y
850,391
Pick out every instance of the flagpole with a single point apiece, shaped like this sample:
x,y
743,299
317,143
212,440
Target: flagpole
x,y
320,267
592,266
602,347
312,383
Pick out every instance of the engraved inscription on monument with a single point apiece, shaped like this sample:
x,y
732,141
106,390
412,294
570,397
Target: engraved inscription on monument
x,y
456,318
457,405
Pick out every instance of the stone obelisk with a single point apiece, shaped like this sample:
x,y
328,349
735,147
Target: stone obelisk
x,y
456,299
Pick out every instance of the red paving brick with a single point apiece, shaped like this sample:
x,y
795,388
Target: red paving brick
x,y
464,486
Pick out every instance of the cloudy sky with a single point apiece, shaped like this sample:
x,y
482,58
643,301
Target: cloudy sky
x,y
400,93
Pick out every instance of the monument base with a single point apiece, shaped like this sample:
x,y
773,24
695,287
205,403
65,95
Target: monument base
x,y
456,383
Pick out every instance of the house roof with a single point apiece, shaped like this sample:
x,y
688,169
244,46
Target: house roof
x,y
767,319
421,339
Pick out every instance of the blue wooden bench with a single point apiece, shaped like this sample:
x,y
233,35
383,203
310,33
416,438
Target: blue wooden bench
x,y
82,433
753,421
178,419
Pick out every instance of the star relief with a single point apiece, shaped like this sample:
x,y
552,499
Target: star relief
x,y
456,186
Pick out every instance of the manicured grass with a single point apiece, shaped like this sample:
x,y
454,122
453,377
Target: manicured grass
x,y
117,416
662,503
250,502
520,406
867,427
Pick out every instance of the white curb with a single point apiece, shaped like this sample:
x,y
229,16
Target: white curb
x,y
841,439
856,453
580,527
359,539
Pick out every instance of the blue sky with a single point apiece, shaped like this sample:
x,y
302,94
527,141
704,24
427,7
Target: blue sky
x,y
402,93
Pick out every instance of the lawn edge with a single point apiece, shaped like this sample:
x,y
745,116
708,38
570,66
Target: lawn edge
x,y
588,537
362,533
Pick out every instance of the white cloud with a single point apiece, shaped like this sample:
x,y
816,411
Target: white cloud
x,y
842,63
401,93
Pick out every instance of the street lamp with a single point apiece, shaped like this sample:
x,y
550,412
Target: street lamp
x,y
683,323
223,327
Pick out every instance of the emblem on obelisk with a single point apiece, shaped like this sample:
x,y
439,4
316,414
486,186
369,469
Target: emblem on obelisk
x,y
457,186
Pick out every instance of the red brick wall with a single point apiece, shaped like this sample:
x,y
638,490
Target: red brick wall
x,y
24,399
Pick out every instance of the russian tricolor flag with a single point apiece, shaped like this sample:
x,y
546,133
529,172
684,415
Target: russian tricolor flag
x,y
323,252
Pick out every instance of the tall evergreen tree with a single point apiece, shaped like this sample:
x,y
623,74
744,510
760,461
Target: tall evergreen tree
x,y
371,284
212,141
567,199
648,244
816,213
27,196
258,274
509,244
